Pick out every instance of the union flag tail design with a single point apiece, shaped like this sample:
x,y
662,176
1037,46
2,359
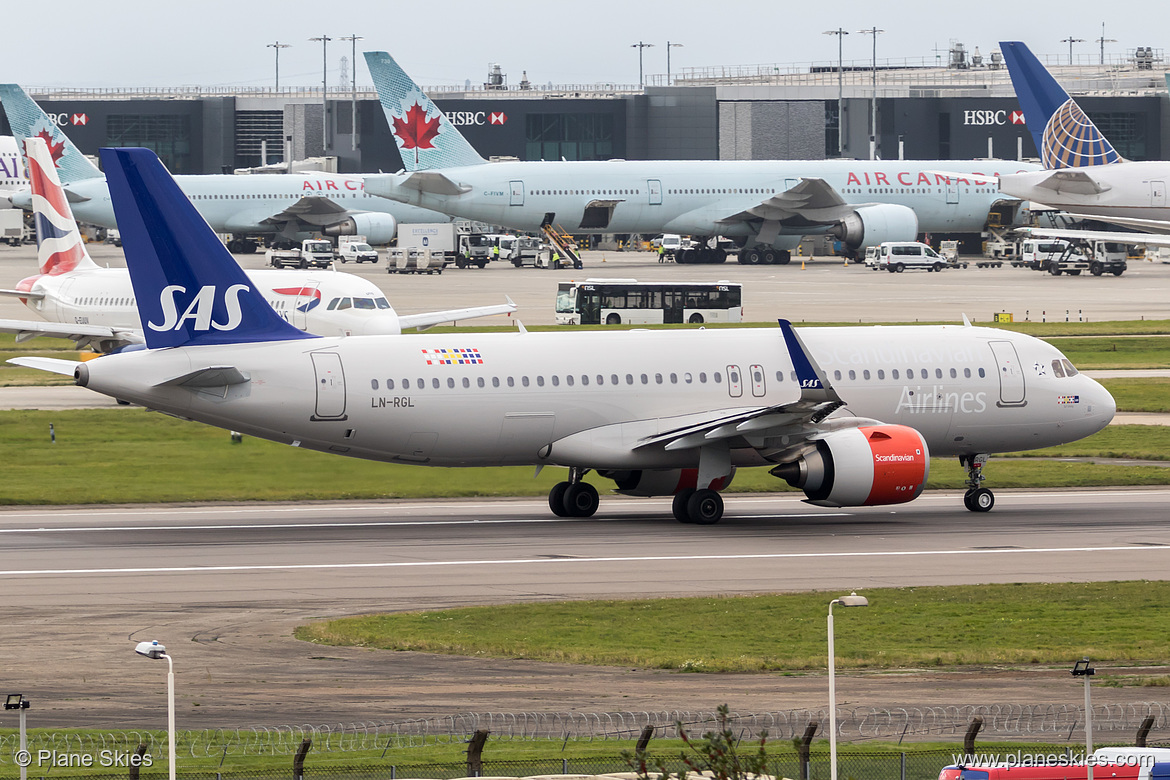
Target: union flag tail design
x,y
1065,137
426,138
59,247
27,120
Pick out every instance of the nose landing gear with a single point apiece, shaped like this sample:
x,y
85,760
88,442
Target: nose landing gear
x,y
977,498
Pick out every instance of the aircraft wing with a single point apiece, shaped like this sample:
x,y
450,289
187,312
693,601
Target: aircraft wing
x,y
1146,239
52,365
812,199
433,318
1150,225
82,335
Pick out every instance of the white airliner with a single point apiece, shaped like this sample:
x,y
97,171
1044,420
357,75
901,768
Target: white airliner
x,y
1084,174
850,415
765,205
96,306
288,207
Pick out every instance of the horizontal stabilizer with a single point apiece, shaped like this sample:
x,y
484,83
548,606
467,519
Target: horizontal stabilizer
x,y
1077,182
32,296
212,376
434,183
52,365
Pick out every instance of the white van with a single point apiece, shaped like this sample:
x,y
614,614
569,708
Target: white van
x,y
897,256
1054,255
871,258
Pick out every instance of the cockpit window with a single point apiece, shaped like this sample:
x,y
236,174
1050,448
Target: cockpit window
x,y
1069,368
382,303
333,304
1057,368
345,304
364,303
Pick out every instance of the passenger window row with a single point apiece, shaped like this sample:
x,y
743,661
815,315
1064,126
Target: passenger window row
x,y
909,374
555,380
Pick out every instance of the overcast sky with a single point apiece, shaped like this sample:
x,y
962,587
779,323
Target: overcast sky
x,y
223,43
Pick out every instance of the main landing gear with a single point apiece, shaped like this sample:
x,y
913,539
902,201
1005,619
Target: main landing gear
x,y
977,498
704,507
574,498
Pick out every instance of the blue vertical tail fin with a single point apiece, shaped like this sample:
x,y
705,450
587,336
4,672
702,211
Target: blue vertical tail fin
x,y
188,288
1065,137
27,120
426,138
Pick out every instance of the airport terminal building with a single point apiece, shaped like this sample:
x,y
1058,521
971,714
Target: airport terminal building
x,y
769,112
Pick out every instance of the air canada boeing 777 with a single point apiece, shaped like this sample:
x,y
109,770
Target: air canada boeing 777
x,y
286,207
849,415
766,206
95,307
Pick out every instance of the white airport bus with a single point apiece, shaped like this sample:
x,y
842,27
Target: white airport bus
x,y
630,302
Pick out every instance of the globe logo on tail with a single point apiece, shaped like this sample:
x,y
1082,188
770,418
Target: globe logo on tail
x,y
1071,140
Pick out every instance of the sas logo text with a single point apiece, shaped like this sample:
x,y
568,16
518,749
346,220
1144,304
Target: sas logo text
x,y
199,310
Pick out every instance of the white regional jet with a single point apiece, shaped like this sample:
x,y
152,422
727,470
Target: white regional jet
x,y
287,208
850,415
765,205
1084,174
96,306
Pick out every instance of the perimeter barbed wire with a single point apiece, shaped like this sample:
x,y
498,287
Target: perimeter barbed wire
x,y
1046,721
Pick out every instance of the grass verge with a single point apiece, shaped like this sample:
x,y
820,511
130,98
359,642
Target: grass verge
x,y
133,456
1111,622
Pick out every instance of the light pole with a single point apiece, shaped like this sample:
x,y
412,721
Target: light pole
x,y
840,33
155,650
670,46
324,39
278,46
1103,40
1070,41
16,701
640,46
353,95
1082,669
875,32
852,600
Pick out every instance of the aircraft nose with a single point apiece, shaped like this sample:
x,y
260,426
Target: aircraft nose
x,y
381,325
1102,405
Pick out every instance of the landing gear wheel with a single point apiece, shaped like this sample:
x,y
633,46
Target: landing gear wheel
x,y
679,506
783,257
705,507
581,500
768,257
556,499
750,257
979,500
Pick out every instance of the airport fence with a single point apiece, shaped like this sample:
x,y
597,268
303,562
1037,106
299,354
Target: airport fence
x,y
1038,723
783,763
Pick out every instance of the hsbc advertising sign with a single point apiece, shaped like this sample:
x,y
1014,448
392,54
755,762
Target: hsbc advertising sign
x,y
982,118
474,118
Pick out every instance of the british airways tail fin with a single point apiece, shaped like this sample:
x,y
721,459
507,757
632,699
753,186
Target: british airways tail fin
x,y
59,246
1064,135
27,120
188,288
426,138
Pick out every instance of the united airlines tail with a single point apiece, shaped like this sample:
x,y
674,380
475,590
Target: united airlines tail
x,y
59,246
188,288
426,139
27,120
1064,135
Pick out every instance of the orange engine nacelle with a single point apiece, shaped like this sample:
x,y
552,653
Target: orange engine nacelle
x,y
866,466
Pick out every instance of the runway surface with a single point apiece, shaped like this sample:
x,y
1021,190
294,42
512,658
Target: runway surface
x,y
223,587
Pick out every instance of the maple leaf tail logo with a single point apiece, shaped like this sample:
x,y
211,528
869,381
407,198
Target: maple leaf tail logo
x,y
416,131
56,148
